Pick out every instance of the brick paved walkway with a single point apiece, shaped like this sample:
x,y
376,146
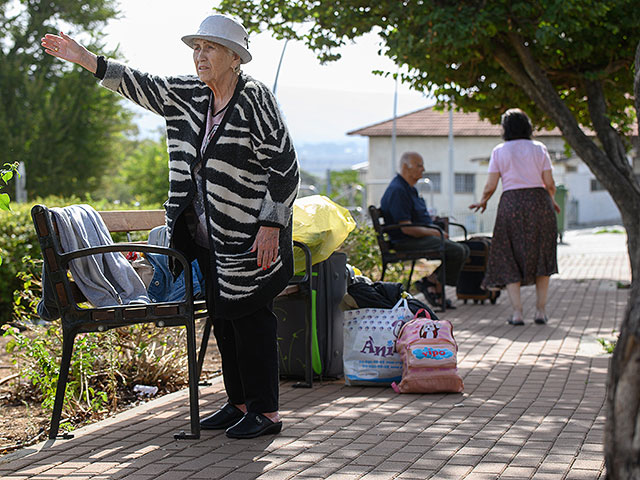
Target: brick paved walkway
x,y
533,406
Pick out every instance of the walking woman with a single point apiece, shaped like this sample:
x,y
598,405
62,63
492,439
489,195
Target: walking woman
x,y
233,179
523,249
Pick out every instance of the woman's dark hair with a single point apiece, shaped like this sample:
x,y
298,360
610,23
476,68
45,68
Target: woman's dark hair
x,y
516,125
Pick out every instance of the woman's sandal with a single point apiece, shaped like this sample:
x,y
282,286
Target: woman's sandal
x,y
515,321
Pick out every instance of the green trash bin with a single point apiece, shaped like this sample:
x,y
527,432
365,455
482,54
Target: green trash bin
x,y
561,200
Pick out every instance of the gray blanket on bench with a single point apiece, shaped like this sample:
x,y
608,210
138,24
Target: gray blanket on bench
x,y
105,279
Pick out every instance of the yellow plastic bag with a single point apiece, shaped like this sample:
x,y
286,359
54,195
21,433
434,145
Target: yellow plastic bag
x,y
322,225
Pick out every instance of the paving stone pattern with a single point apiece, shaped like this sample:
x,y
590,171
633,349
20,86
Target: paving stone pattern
x,y
533,406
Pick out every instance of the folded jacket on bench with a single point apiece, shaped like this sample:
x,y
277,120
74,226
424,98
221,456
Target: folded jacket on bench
x,y
105,279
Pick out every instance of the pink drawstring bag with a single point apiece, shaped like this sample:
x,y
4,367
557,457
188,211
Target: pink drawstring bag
x,y
429,356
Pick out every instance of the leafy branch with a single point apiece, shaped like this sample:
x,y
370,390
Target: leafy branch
x,y
7,172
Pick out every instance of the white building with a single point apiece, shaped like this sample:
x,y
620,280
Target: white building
x,y
426,131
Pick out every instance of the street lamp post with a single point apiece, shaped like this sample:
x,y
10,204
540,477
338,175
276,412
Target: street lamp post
x,y
275,82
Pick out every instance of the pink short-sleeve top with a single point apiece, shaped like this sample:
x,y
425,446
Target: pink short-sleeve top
x,y
520,163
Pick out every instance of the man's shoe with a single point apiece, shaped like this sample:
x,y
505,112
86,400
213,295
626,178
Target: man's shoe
x,y
430,291
449,304
253,425
227,416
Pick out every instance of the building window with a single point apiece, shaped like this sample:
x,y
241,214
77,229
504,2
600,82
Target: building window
x,y
596,186
434,180
465,182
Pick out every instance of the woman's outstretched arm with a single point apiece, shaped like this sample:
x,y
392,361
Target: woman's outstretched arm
x,y
68,49
146,90
489,188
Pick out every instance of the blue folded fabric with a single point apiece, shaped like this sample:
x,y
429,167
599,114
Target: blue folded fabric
x,y
163,288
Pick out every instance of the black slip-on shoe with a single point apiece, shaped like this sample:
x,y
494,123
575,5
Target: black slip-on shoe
x,y
227,416
253,425
541,320
515,321
449,304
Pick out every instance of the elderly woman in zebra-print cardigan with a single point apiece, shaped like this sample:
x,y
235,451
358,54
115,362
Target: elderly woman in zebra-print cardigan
x,y
233,179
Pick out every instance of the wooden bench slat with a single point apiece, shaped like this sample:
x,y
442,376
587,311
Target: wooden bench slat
x,y
132,220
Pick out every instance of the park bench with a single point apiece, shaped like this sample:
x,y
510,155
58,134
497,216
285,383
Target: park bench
x,y
390,255
76,319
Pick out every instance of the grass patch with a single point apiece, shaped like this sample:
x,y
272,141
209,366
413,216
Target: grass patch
x,y
608,345
609,230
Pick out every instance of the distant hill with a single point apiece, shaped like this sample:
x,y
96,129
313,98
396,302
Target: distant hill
x,y
317,158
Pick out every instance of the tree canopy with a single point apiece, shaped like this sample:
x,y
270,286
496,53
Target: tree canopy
x,y
55,118
456,49
142,173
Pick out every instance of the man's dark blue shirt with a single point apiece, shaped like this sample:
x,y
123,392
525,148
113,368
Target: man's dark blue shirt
x,y
401,202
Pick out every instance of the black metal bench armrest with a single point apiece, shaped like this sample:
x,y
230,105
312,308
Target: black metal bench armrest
x,y
306,278
461,226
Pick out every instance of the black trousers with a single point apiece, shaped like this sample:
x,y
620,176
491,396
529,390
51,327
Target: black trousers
x,y
455,254
249,349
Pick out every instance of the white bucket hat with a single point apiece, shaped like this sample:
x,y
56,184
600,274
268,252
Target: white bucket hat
x,y
226,31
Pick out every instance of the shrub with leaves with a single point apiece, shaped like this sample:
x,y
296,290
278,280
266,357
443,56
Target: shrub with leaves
x,y
104,366
363,253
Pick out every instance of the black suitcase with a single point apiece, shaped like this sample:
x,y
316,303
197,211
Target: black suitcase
x,y
472,273
329,284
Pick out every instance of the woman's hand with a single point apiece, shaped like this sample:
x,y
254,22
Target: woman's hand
x,y
67,48
556,207
489,188
482,206
266,243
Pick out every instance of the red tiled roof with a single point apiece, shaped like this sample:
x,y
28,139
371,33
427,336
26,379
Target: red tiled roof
x,y
430,122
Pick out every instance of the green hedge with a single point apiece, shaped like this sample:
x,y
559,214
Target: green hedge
x,y
18,239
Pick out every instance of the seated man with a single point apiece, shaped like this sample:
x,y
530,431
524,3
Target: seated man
x,y
402,204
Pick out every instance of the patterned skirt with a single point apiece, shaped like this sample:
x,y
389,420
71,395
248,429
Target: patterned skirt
x,y
524,239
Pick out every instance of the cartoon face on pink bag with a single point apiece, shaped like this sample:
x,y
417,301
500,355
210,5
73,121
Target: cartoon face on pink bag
x,y
429,330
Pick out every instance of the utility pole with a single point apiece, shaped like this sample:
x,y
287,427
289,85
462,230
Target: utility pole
x,y
393,129
451,170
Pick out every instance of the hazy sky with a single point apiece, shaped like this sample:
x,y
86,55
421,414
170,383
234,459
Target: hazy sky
x,y
320,103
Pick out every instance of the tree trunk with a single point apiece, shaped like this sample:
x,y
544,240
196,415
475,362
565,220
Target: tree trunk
x,y
622,432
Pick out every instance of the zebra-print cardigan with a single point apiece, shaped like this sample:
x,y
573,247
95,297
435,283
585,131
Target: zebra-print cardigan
x,y
250,171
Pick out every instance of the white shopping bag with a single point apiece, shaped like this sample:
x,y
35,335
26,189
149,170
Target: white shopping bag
x,y
369,354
